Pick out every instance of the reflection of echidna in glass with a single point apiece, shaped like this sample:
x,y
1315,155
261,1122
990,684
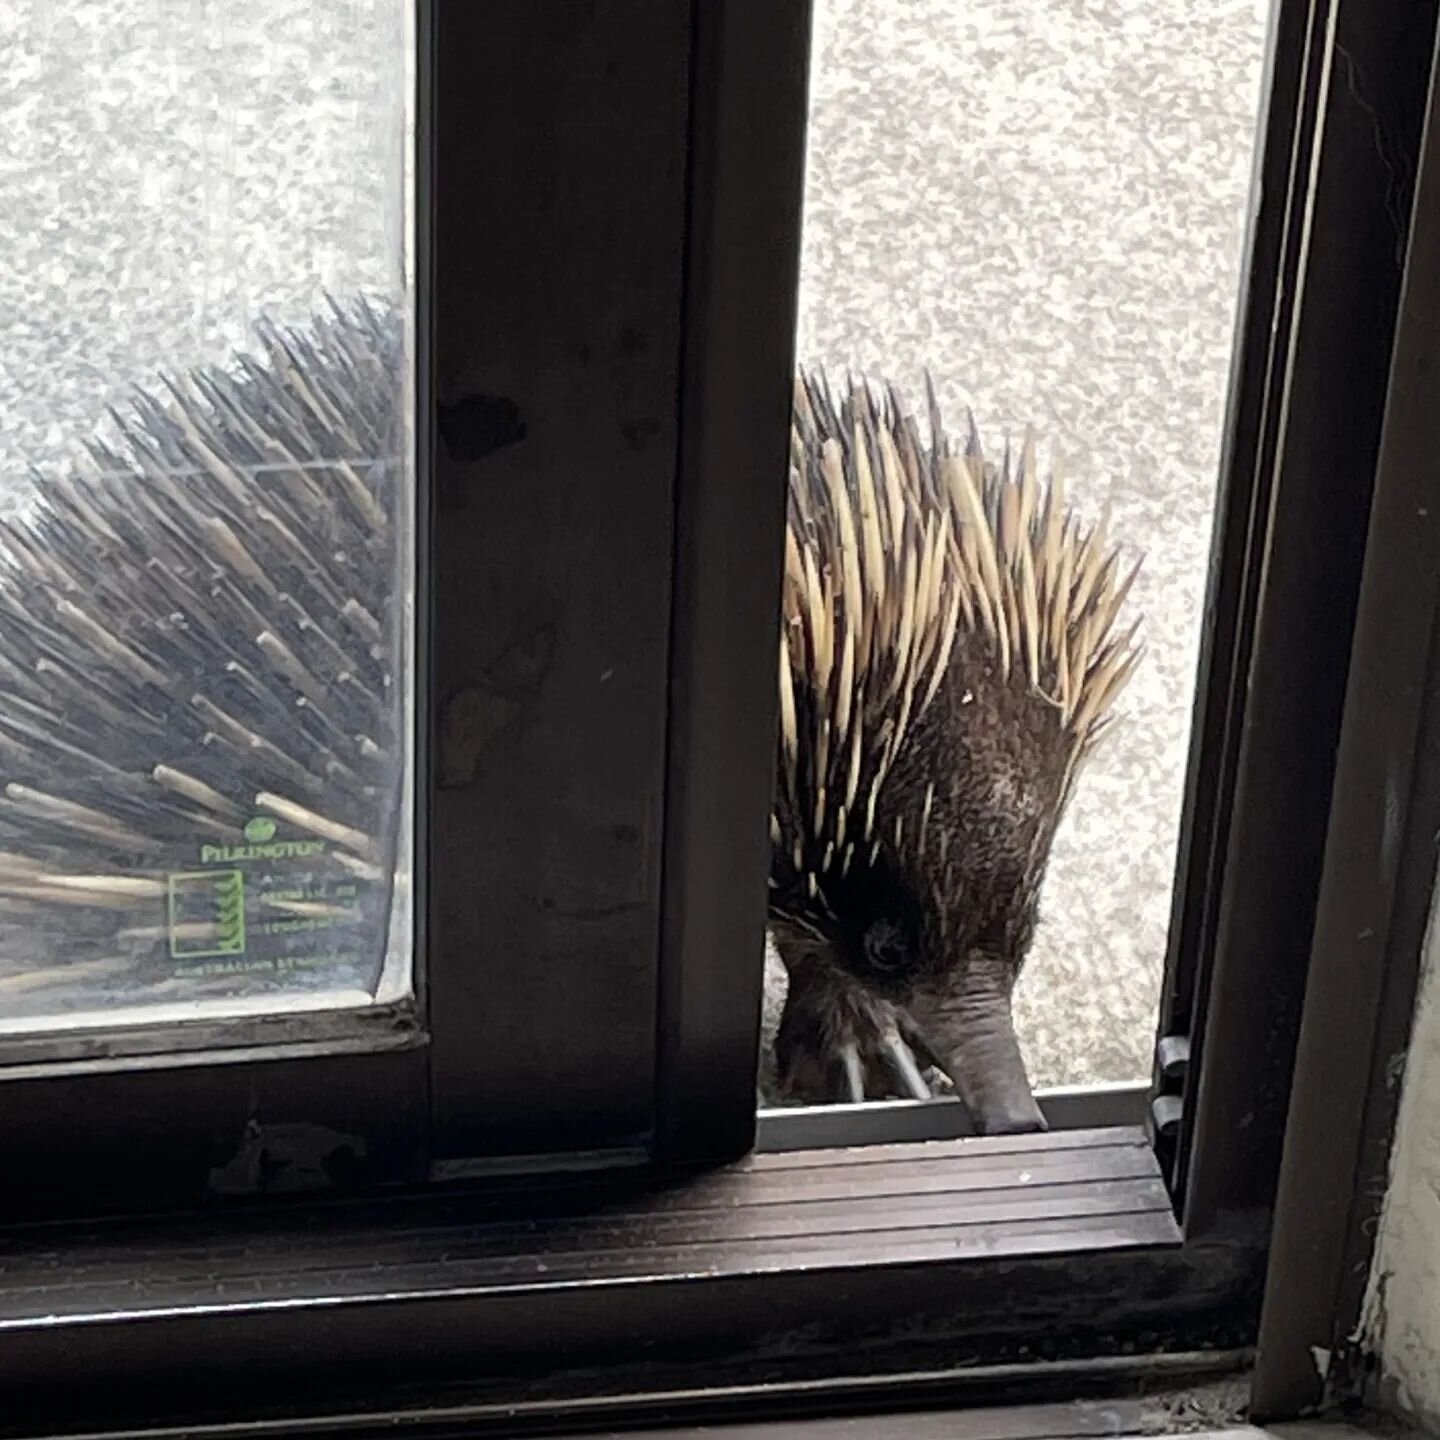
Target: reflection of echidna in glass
x,y
199,633
948,659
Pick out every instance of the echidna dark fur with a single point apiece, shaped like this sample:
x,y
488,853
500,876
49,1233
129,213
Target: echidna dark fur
x,y
199,626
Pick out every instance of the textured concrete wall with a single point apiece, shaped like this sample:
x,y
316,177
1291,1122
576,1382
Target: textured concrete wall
x,y
1403,1307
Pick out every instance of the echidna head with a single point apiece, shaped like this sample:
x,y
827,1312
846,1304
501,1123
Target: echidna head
x,y
871,1006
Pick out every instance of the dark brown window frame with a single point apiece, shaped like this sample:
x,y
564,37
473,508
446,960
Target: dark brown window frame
x,y
573,1292
1377,890
1313,347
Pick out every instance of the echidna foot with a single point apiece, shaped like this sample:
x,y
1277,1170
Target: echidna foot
x,y
839,1043
902,1057
854,1071
900,1060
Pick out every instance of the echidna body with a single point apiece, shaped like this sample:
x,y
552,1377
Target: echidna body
x,y
201,650
199,646
948,658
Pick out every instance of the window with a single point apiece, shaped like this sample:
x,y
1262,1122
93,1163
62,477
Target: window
x,y
209,653
536,1178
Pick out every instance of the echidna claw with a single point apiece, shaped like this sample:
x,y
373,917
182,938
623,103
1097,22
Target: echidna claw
x,y
903,1059
854,1072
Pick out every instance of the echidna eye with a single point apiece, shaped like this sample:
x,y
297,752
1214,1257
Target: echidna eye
x,y
884,946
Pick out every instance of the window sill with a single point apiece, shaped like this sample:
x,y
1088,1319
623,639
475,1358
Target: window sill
x,y
790,1267
1068,1192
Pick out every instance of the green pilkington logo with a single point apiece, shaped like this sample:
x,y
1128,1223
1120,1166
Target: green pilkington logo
x,y
261,844
207,906
207,914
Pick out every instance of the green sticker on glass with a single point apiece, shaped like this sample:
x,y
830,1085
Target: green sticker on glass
x,y
207,914
270,903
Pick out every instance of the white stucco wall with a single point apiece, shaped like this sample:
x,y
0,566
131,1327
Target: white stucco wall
x,y
1403,1307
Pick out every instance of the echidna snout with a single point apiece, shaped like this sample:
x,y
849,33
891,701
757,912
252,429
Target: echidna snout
x,y
967,1023
841,1038
948,659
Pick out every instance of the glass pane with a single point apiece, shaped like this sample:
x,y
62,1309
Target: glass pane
x,y
1041,207
205,508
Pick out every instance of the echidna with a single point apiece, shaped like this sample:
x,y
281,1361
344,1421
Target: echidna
x,y
949,656
201,632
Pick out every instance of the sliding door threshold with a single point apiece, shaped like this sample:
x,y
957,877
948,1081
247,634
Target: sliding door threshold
x,y
900,1122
